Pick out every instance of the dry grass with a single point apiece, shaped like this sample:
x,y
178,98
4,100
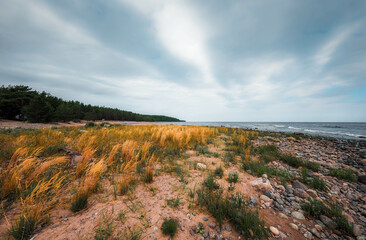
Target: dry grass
x,y
36,168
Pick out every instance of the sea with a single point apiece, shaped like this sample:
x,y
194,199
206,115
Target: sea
x,y
343,130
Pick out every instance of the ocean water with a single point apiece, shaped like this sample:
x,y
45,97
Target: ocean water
x,y
345,130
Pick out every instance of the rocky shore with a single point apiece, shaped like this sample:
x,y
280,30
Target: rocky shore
x,y
329,154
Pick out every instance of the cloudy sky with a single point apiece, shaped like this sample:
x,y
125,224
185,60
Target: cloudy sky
x,y
196,60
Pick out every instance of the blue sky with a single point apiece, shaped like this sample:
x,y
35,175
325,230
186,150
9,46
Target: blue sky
x,y
196,60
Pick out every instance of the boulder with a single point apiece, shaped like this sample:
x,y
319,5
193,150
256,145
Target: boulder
x,y
298,215
262,184
299,185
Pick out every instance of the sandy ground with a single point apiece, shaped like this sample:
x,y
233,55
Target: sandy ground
x,y
10,124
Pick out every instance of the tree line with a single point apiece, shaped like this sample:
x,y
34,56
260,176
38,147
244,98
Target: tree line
x,y
20,102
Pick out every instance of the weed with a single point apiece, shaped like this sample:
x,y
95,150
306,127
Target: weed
x,y
318,183
169,227
133,234
79,202
314,208
148,177
173,202
233,177
219,172
104,230
210,183
23,228
345,174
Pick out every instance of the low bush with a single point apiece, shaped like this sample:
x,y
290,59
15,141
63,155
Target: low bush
x,y
173,202
219,172
79,202
314,208
169,227
233,177
318,183
210,183
23,228
345,174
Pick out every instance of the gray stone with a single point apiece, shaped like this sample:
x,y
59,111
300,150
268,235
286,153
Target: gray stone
x,y
328,222
299,185
298,215
308,235
205,219
212,225
315,232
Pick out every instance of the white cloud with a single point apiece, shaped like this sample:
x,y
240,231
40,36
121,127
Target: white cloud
x,y
180,30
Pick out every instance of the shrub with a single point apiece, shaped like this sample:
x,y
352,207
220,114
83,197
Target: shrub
x,y
89,124
318,183
233,177
345,174
219,172
169,227
148,177
314,208
23,228
173,202
210,183
79,202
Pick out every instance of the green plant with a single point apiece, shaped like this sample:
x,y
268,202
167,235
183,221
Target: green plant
x,y
233,177
169,227
148,176
133,234
318,183
345,174
89,124
104,230
314,208
23,228
219,172
304,174
173,202
79,202
210,183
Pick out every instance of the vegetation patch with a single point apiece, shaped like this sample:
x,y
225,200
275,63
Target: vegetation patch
x,y
219,172
23,228
79,202
344,174
169,227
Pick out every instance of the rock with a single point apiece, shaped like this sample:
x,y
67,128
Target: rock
x,y
228,228
212,225
262,184
291,139
299,185
357,230
205,235
363,188
265,176
205,219
201,166
265,198
328,222
312,193
308,235
362,179
301,193
298,215
274,230
318,227
294,226
253,201
280,201
315,232
268,193
281,215
192,232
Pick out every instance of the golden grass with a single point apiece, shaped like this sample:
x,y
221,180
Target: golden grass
x,y
35,175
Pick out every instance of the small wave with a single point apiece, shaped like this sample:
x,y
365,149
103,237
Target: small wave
x,y
294,128
279,126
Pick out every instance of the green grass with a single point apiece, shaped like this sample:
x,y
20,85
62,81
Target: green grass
x,y
79,202
104,230
315,208
318,183
233,177
169,227
211,183
173,202
23,228
345,174
219,172
234,208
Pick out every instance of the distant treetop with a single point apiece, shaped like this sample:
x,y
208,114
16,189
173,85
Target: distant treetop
x,y
22,103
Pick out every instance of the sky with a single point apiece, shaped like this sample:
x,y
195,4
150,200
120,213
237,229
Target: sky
x,y
196,60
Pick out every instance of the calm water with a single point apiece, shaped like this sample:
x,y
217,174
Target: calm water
x,y
333,129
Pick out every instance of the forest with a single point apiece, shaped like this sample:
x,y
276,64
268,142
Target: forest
x,y
20,102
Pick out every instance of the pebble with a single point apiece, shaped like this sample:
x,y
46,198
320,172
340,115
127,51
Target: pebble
x,y
308,235
298,215
294,226
212,225
274,230
205,219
